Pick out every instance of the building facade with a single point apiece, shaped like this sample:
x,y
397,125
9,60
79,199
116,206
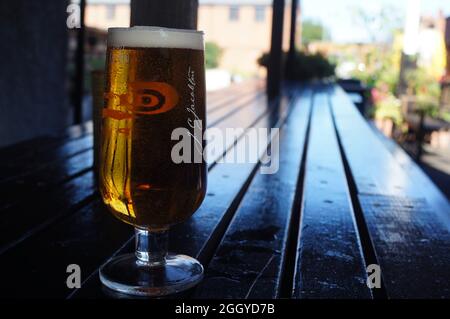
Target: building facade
x,y
431,44
241,28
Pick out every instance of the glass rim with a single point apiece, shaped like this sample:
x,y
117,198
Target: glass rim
x,y
154,36
155,29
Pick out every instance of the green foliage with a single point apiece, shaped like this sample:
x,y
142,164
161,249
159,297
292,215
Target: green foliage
x,y
446,116
380,70
389,108
426,89
421,82
313,31
213,54
304,66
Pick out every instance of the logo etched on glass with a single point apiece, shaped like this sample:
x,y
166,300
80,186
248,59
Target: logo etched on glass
x,y
143,98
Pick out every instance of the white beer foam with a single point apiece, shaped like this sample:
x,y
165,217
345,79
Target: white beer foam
x,y
155,37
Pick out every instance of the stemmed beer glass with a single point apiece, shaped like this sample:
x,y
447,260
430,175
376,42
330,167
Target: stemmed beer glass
x,y
149,176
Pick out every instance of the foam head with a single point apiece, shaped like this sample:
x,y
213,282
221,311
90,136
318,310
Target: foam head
x,y
155,37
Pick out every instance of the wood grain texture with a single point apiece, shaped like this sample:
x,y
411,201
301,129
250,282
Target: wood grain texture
x,y
248,262
86,238
396,176
219,114
413,248
42,209
42,181
224,98
434,194
330,263
406,217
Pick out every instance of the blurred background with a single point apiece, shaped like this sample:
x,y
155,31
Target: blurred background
x,y
393,58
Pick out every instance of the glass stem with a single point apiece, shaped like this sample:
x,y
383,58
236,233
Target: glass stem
x,y
151,247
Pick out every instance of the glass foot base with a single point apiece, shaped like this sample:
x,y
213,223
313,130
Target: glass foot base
x,y
126,275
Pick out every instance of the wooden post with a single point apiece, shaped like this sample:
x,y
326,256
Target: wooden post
x,y
274,70
180,14
447,45
420,136
291,54
78,91
407,63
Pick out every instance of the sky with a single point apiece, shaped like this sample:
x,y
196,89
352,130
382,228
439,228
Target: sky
x,y
339,17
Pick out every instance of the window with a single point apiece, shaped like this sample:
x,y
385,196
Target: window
x,y
260,13
234,13
110,12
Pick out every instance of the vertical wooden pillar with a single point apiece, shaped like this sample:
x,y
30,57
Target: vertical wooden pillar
x,y
445,85
291,54
180,14
407,63
274,70
78,91
447,45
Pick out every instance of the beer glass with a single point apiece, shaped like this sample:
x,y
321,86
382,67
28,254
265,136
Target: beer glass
x,y
154,95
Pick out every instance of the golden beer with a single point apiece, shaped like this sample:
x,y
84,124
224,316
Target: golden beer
x,y
152,88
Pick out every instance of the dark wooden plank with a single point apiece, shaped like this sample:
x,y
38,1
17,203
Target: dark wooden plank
x,y
18,149
200,235
416,173
230,108
40,264
245,117
16,167
237,88
330,263
42,209
32,149
224,97
248,262
412,247
408,226
41,181
396,173
76,131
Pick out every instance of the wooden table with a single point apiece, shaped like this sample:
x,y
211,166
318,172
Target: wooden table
x,y
343,198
